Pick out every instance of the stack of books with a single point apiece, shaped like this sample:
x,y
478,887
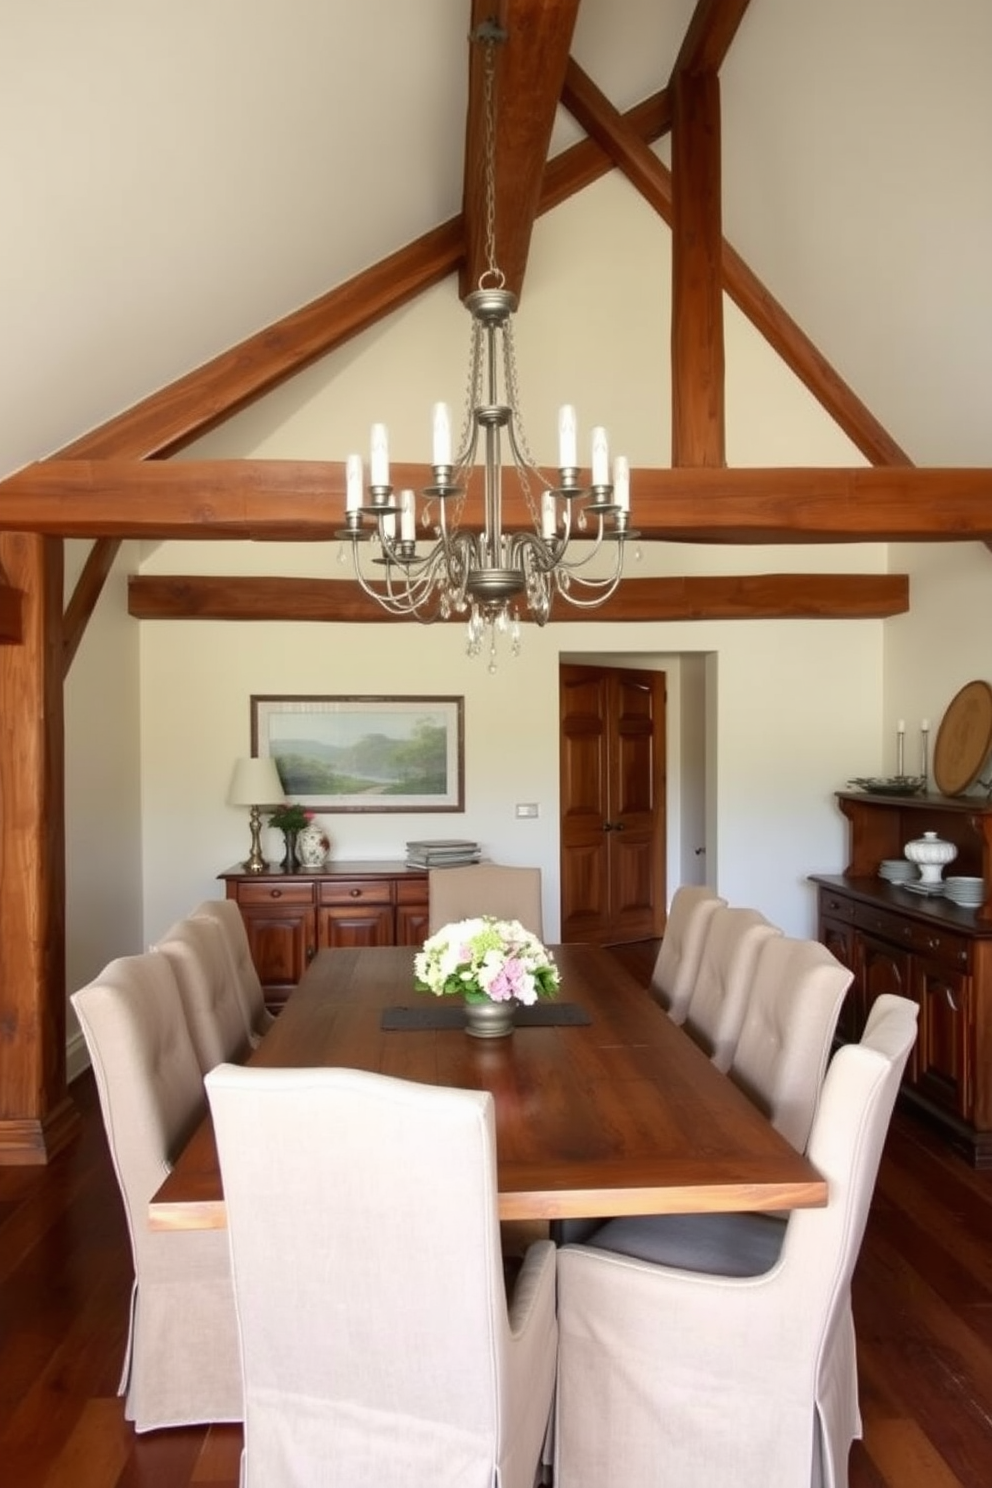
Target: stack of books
x,y
442,852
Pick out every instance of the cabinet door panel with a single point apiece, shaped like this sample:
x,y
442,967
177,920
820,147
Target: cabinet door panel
x,y
282,940
944,1042
838,937
412,924
886,968
357,925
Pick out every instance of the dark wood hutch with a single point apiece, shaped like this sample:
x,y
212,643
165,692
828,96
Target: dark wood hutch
x,y
922,947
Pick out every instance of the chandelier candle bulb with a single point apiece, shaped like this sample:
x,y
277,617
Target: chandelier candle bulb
x,y
568,449
621,482
549,515
408,517
600,457
379,466
354,480
900,746
442,434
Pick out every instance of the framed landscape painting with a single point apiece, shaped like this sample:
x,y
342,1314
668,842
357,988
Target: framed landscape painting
x,y
365,753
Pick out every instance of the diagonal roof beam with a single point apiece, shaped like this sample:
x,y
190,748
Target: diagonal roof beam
x,y
653,180
530,69
708,36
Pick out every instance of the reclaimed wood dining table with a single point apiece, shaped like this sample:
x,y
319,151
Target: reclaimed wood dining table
x,y
611,1109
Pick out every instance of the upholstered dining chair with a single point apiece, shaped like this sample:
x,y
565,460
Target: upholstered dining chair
x,y
181,1364
681,947
724,978
381,1349
227,915
486,889
693,1368
204,973
788,1030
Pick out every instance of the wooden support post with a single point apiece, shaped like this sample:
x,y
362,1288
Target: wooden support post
x,y
36,1114
697,273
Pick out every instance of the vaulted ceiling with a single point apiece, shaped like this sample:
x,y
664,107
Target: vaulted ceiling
x,y
392,106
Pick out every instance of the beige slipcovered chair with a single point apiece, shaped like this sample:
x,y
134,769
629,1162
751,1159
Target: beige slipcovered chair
x,y
724,978
227,915
671,1373
381,1348
181,1365
204,972
486,889
788,1030
681,947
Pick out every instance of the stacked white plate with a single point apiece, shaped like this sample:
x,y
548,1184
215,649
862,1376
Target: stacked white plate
x,y
969,893
897,870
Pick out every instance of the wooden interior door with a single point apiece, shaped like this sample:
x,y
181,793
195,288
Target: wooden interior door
x,y
612,773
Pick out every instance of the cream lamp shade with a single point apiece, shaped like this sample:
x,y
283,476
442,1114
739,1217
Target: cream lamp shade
x,y
255,783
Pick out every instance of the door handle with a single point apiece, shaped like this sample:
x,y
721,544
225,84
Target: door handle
x,y
613,826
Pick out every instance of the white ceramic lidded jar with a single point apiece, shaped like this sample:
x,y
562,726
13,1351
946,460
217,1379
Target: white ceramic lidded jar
x,y
930,853
311,846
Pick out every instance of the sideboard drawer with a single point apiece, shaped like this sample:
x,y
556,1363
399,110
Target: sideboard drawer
x,y
271,893
357,891
940,945
411,891
883,922
836,906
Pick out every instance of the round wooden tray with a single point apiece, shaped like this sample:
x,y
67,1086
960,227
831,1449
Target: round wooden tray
x,y
964,739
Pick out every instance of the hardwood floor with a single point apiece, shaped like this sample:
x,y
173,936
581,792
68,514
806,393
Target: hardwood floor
x,y
922,1302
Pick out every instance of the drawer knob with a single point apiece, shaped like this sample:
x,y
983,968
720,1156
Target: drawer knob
x,y
276,893
355,893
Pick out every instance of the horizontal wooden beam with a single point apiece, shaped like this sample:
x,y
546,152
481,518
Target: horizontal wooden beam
x,y
804,596
11,603
303,501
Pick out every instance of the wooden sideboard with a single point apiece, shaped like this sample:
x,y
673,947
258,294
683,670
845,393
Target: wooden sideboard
x,y
924,948
291,916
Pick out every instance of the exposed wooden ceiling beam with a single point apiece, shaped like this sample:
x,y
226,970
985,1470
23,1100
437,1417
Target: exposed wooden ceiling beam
x,y
698,427
653,180
711,29
530,68
304,501
89,586
719,597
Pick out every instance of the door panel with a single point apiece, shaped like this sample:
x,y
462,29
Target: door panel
x,y
612,803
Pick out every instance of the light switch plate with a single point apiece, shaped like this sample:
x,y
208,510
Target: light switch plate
x,y
527,809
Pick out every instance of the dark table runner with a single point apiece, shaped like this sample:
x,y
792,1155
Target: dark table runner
x,y
538,1015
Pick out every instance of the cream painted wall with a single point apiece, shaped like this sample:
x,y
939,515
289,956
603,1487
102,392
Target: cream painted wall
x,y
795,707
102,786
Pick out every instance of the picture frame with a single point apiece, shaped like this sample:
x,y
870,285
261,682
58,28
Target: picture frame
x,y
365,753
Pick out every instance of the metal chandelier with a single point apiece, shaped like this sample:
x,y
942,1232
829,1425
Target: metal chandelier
x,y
489,575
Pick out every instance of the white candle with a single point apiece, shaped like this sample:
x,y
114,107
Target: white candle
x,y
353,469
379,466
442,434
901,726
549,516
568,454
925,725
621,482
600,457
388,521
408,517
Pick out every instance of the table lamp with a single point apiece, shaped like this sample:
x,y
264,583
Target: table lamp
x,y
255,783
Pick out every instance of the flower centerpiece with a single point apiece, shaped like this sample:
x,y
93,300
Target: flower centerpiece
x,y
489,963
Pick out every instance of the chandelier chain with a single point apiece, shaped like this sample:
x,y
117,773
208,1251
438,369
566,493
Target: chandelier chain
x,y
492,272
